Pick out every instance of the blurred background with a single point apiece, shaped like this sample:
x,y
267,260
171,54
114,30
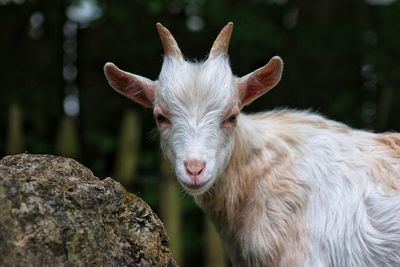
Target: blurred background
x,y
341,59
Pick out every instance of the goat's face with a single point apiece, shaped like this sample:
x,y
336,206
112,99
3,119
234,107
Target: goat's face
x,y
196,106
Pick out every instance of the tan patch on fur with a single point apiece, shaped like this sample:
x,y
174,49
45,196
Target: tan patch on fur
x,y
392,140
387,169
303,118
261,196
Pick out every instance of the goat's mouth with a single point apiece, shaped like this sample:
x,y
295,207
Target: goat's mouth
x,y
195,188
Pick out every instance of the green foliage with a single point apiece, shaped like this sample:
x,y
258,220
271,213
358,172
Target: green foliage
x,y
128,148
67,142
15,138
215,255
170,210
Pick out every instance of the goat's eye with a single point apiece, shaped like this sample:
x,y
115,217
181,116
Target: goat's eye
x,y
233,118
230,121
161,119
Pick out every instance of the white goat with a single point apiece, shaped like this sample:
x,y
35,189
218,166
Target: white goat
x,y
284,188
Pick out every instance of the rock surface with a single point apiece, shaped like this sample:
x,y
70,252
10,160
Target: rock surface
x,y
55,212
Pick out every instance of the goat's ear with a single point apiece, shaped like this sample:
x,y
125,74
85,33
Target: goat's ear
x,y
260,81
135,87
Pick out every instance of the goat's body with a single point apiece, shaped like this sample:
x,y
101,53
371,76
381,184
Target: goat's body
x,y
285,189
301,190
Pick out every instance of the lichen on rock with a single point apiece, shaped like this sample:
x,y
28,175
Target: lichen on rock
x,y
55,212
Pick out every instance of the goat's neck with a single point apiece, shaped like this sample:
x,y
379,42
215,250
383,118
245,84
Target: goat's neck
x,y
261,147
257,194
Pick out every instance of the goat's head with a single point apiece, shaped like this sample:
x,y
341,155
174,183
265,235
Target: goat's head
x,y
196,106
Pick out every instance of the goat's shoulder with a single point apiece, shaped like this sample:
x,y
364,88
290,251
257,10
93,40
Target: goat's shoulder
x,y
391,141
300,118
335,148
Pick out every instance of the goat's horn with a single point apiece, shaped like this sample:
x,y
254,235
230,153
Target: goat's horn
x,y
171,47
221,44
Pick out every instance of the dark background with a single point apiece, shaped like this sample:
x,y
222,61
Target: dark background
x,y
341,60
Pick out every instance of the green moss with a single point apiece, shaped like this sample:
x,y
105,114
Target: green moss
x,y
130,199
2,192
71,243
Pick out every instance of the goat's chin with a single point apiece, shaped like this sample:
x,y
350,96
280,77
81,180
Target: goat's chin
x,y
197,190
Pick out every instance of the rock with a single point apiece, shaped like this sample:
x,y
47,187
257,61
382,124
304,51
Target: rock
x,y
55,212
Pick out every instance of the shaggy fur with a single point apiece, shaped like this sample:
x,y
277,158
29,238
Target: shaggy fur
x,y
284,188
315,193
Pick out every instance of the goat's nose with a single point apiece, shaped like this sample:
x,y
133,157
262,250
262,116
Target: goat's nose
x,y
194,167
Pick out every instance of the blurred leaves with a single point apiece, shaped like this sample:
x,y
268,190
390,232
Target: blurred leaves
x,y
15,134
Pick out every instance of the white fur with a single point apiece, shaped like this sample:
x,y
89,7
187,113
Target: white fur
x,y
196,95
349,218
284,188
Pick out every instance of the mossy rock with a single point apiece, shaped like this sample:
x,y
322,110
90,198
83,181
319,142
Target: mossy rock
x,y
55,212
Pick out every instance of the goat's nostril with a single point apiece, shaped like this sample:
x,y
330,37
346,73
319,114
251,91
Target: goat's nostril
x,y
194,167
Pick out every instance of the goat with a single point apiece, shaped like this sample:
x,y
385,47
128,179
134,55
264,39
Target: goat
x,y
283,188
